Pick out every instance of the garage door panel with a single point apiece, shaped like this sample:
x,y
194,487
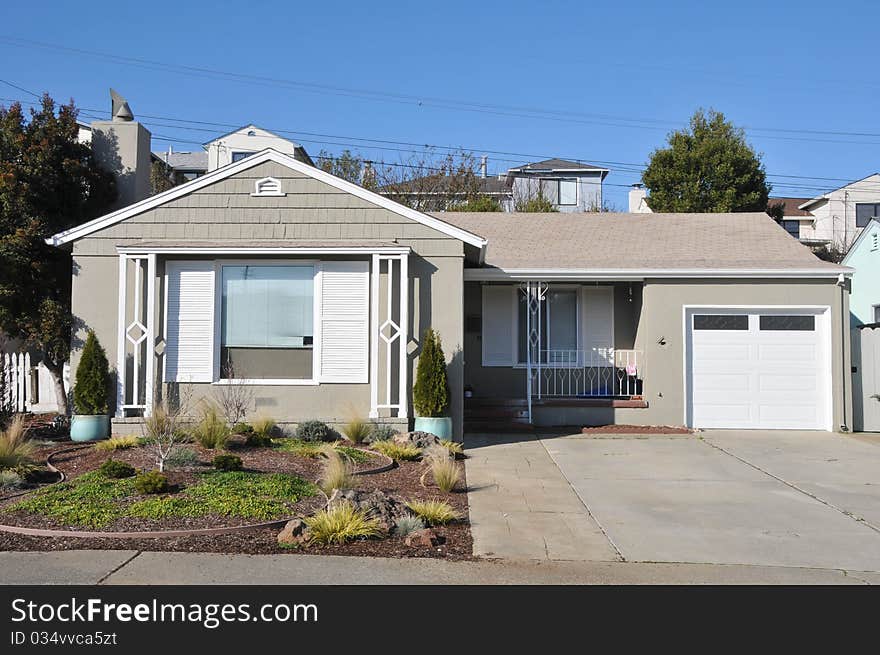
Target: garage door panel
x,y
758,378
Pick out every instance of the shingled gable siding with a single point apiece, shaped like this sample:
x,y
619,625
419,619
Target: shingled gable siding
x,y
310,211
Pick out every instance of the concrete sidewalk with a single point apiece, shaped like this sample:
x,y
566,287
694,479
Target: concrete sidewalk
x,y
158,568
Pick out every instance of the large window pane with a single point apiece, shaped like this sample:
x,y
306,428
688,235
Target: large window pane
x,y
558,325
568,192
267,306
721,322
865,211
779,322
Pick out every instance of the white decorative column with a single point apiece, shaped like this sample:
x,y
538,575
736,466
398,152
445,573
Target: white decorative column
x,y
120,336
374,336
149,356
403,336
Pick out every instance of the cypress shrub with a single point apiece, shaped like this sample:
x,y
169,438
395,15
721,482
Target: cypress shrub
x,y
92,379
431,390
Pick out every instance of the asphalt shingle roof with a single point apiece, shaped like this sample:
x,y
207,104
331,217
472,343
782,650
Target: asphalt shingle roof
x,y
636,241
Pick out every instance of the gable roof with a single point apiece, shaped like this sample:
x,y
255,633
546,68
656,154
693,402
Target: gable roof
x,y
790,206
826,196
184,161
852,249
438,182
558,165
229,170
641,244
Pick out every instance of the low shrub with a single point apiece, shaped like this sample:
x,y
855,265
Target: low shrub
x,y
11,480
313,431
227,462
433,512
335,471
341,523
454,447
407,524
117,443
446,473
264,426
15,448
151,482
256,440
242,428
357,430
181,457
381,432
211,431
114,469
396,451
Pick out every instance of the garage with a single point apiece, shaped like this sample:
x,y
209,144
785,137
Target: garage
x,y
758,368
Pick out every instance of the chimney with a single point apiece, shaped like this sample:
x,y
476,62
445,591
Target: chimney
x,y
638,197
367,176
122,146
484,165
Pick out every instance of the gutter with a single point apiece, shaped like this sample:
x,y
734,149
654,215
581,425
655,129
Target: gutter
x,y
498,274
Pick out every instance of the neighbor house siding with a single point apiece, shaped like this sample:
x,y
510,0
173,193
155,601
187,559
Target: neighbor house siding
x,y
310,211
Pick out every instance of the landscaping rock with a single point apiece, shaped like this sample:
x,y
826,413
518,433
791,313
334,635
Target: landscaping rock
x,y
294,533
377,504
426,538
418,439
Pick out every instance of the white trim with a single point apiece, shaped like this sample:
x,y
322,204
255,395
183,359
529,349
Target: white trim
x,y
150,355
263,250
280,382
374,336
823,314
862,235
630,274
404,336
268,154
120,337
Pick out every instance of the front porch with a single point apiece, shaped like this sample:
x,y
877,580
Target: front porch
x,y
545,353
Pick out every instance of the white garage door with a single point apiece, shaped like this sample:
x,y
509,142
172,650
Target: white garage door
x,y
761,368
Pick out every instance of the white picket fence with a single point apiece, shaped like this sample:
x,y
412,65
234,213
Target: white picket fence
x,y
17,370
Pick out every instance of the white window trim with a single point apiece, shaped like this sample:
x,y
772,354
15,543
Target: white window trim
x,y
577,191
259,193
316,329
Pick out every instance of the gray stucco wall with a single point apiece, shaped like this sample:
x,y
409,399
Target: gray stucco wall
x,y
311,211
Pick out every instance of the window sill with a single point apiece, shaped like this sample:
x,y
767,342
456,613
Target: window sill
x,y
269,383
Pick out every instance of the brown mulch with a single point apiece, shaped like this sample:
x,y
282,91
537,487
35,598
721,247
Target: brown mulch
x,y
636,429
402,481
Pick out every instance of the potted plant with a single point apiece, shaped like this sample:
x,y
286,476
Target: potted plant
x,y
91,421
431,390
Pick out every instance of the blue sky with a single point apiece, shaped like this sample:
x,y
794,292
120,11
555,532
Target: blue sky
x,y
600,82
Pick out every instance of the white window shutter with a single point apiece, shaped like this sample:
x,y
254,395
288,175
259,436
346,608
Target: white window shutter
x,y
598,322
499,325
189,339
344,322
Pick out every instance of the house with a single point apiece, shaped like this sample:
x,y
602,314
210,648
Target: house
x,y
569,186
272,273
246,141
184,166
793,217
864,258
840,215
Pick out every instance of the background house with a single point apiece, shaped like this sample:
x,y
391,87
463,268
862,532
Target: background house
x,y
570,186
248,140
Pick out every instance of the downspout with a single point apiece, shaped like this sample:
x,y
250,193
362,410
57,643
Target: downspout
x,y
844,365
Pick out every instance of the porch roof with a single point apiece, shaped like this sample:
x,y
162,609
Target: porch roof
x,y
640,244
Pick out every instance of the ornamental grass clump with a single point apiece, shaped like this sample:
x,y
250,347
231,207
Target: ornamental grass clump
x,y
357,430
433,512
211,431
341,523
446,473
90,390
407,524
455,448
397,451
260,435
335,471
431,389
15,448
117,443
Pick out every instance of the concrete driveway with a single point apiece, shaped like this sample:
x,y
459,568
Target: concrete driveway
x,y
799,499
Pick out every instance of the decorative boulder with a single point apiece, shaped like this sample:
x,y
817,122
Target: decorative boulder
x,y
426,538
377,504
418,439
294,533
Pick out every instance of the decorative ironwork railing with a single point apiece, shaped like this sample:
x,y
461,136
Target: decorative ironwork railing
x,y
590,373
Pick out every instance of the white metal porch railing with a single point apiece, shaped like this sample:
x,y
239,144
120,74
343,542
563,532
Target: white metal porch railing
x,y
590,373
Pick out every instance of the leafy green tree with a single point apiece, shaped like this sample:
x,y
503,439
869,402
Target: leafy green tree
x,y
346,165
431,390
49,182
161,177
707,167
477,203
92,379
536,204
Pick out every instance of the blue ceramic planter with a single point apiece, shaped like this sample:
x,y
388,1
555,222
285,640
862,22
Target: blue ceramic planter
x,y
439,426
84,427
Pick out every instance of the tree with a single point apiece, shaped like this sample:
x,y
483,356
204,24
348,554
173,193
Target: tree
x,y
477,204
161,177
49,182
426,183
431,390
346,166
536,204
92,379
708,167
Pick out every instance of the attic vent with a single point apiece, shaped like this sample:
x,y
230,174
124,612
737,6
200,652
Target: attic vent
x,y
268,186
875,241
